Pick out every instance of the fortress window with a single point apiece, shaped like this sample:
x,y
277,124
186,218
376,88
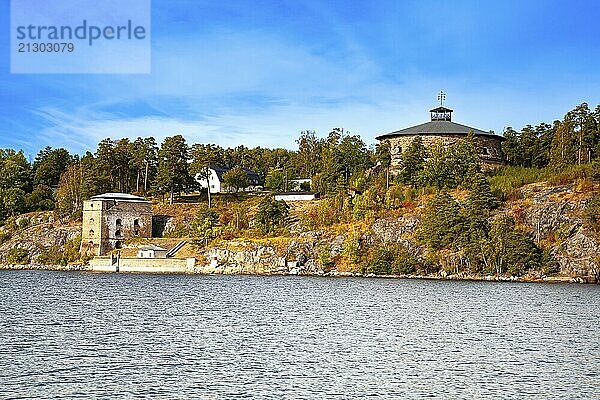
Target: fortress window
x,y
91,220
117,244
118,233
136,227
91,232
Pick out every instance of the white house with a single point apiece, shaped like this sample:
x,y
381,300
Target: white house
x,y
215,179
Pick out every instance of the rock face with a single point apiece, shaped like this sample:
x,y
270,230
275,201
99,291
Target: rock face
x,y
397,230
248,257
40,236
552,216
579,255
555,215
303,255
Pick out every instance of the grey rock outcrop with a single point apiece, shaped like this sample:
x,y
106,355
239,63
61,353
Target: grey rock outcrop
x,y
39,237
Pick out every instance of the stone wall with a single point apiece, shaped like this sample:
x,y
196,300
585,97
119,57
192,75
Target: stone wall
x,y
490,147
144,265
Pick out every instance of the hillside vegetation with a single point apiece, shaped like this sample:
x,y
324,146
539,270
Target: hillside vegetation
x,y
439,214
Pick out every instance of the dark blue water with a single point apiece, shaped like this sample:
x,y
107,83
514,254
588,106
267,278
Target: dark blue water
x,y
75,335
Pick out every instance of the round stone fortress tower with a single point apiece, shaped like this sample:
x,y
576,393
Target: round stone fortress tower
x,y
441,129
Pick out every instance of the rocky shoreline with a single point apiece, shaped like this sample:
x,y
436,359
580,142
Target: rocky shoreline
x,y
552,216
206,270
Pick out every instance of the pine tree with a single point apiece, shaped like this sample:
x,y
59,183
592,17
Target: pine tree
x,y
564,148
412,163
442,222
511,147
172,174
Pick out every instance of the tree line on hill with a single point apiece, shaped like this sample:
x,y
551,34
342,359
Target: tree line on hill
x,y
59,180
574,140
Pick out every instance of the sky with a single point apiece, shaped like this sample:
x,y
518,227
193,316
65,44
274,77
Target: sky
x,y
257,73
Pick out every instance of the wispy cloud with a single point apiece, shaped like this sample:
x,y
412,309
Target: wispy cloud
x,y
234,74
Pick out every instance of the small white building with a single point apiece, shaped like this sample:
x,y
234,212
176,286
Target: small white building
x,y
215,180
295,185
297,196
151,251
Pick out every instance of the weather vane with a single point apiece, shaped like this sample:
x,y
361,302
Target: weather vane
x,y
441,98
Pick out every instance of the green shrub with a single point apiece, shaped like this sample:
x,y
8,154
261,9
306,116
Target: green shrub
x,y
23,223
549,264
4,236
204,227
380,261
271,214
17,256
57,255
405,263
392,259
324,256
351,250
593,214
507,179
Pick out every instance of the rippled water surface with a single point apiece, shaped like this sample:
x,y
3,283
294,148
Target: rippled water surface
x,y
71,335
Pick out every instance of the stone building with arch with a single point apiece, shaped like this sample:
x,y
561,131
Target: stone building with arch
x,y
111,218
441,129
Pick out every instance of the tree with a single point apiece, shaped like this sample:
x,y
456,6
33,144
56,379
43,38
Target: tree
x,y
480,195
529,146
564,147
442,222
545,134
511,147
102,164
172,173
308,158
124,171
412,163
236,178
452,166
15,171
40,199
13,201
49,164
511,251
585,131
476,213
271,214
204,227
463,161
383,157
275,179
143,162
204,155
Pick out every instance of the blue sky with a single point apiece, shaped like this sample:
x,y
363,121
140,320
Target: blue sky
x,y
259,72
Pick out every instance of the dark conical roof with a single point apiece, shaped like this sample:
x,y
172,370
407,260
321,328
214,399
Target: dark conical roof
x,y
439,128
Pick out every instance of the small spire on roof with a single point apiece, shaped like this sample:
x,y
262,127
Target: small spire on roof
x,y
441,98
